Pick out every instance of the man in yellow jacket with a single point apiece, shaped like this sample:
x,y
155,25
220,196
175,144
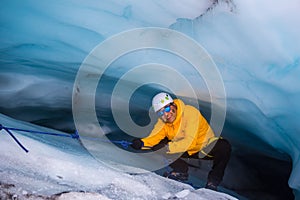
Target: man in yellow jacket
x,y
183,130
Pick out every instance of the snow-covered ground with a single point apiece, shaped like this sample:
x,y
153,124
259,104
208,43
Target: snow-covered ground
x,y
60,168
255,45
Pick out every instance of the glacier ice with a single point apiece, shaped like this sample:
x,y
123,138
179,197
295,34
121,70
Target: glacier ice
x,y
254,44
61,168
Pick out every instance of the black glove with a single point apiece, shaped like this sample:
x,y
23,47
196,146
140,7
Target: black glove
x,y
161,144
137,144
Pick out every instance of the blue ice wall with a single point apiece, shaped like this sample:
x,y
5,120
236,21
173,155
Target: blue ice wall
x,y
254,44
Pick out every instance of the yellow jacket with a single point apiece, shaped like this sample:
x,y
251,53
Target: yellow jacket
x,y
189,132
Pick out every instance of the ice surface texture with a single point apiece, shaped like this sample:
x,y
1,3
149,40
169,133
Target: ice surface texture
x,y
254,44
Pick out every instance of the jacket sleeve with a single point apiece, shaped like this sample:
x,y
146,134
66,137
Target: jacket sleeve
x,y
157,134
187,135
196,132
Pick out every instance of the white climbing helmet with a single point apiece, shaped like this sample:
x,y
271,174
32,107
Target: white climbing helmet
x,y
161,100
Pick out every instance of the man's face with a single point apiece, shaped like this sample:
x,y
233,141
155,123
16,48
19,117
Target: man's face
x,y
169,115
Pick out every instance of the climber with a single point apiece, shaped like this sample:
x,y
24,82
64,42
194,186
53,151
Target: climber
x,y
181,129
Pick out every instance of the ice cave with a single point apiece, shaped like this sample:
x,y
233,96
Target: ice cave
x,y
70,65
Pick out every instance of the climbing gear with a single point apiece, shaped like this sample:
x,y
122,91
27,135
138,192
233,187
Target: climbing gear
x,y
15,139
124,144
161,100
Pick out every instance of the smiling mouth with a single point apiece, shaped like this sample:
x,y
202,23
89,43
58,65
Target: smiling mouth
x,y
169,118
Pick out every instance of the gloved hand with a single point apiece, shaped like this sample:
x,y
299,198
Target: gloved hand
x,y
137,144
161,144
158,146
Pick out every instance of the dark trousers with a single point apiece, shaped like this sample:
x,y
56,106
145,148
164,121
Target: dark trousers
x,y
220,154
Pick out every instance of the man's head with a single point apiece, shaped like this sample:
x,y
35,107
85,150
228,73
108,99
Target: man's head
x,y
165,107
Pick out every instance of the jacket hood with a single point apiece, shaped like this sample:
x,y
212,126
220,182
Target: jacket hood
x,y
180,108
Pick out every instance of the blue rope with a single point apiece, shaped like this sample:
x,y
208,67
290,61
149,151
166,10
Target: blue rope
x,y
124,144
73,135
12,135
